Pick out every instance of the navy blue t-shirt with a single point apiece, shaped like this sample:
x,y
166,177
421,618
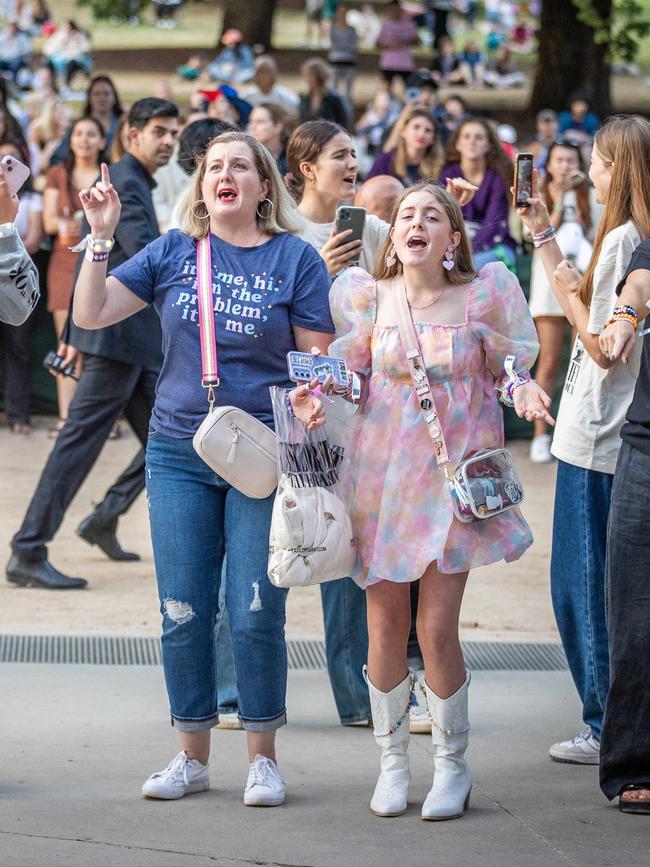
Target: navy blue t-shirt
x,y
259,294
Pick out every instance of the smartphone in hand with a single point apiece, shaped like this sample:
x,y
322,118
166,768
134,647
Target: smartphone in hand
x,y
303,367
523,182
351,217
15,173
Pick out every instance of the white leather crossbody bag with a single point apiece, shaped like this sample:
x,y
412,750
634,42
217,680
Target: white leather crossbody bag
x,y
236,445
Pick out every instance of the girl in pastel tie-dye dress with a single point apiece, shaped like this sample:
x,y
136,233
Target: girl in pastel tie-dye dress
x,y
400,504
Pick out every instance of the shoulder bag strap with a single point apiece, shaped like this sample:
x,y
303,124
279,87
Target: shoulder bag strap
x,y
418,371
210,375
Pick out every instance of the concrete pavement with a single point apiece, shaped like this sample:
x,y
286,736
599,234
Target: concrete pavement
x,y
76,743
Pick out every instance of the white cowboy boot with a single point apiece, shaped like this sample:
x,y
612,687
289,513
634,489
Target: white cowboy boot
x,y
390,717
452,778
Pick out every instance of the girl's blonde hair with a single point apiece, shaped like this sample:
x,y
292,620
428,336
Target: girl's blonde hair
x,y
463,270
432,160
193,213
624,146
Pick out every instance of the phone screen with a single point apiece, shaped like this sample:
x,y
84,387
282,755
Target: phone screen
x,y
523,180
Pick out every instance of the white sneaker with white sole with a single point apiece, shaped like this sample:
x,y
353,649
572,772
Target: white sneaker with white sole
x,y
265,786
182,776
583,749
540,449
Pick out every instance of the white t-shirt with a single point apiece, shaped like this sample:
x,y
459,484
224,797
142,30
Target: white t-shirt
x,y
594,400
30,203
374,233
278,94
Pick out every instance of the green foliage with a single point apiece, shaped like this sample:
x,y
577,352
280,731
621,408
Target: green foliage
x,y
120,10
622,31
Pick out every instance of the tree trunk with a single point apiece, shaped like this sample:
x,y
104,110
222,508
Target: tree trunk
x,y
569,60
253,17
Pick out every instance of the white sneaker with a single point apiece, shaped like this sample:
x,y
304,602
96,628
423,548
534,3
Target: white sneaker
x,y
540,449
420,722
584,749
265,785
182,776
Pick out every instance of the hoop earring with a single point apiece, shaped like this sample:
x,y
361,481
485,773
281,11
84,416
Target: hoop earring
x,y
448,262
391,256
270,213
204,216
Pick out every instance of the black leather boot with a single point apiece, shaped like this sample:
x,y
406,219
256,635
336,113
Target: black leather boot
x,y
40,573
96,530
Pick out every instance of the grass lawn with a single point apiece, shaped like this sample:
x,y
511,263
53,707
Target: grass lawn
x,y
199,23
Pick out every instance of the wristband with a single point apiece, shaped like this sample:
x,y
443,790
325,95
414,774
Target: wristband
x,y
91,256
513,381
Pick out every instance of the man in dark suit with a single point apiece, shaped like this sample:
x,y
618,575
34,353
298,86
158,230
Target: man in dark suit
x,y
121,366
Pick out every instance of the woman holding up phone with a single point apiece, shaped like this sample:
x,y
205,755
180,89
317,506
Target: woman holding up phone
x,y
566,194
237,199
597,393
322,175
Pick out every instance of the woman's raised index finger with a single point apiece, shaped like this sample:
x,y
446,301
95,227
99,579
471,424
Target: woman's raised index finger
x,y
106,178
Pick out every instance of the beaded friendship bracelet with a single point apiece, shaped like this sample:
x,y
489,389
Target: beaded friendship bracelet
x,y
624,313
540,238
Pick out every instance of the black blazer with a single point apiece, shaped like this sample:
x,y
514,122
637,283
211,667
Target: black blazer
x,y
138,339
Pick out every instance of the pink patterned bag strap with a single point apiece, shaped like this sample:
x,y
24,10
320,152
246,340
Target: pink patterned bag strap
x,y
418,371
207,330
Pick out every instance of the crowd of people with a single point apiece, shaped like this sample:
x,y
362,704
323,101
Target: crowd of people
x,y
111,216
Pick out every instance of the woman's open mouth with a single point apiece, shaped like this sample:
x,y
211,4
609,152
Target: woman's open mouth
x,y
227,194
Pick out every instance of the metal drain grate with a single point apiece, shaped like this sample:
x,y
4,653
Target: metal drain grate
x,y
303,654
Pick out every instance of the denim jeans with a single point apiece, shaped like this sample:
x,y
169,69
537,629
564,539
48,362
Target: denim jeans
x,y
578,582
625,747
196,519
346,647
226,680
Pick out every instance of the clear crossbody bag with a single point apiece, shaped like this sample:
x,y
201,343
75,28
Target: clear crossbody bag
x,y
484,484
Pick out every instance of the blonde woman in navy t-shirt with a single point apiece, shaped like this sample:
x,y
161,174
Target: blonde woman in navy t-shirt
x,y
271,296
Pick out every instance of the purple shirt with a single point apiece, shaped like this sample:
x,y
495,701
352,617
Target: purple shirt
x,y
392,33
489,209
384,164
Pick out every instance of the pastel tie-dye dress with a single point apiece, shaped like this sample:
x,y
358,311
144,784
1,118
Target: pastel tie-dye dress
x,y
399,500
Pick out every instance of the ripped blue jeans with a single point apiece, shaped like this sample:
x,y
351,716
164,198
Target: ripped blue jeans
x,y
196,518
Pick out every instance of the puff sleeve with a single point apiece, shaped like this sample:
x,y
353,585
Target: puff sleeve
x,y
499,313
353,303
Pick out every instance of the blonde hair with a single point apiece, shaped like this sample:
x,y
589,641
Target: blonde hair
x,y
624,146
463,270
431,162
193,213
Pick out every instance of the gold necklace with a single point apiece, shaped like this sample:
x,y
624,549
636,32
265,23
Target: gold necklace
x,y
423,306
